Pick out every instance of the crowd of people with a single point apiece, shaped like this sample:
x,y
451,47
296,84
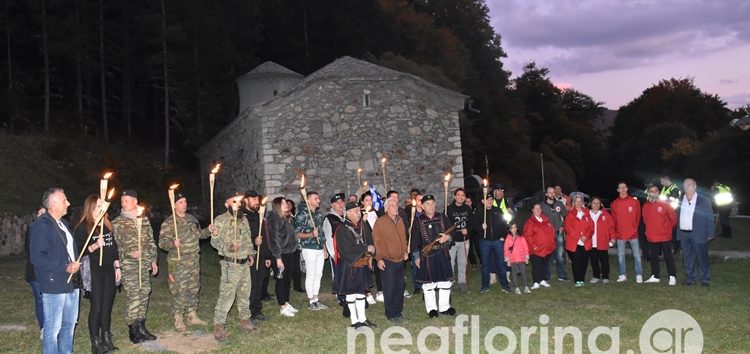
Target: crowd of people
x,y
368,242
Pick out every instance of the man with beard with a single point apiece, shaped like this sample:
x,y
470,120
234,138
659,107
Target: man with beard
x,y
459,213
555,211
260,273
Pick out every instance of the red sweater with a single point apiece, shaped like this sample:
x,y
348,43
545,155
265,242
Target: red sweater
x,y
660,219
540,236
576,228
605,230
627,214
520,252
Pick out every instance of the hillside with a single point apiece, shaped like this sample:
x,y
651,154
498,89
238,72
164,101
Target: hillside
x,y
31,164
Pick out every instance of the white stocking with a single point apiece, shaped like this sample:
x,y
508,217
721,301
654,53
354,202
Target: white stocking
x,y
360,304
444,301
428,290
350,301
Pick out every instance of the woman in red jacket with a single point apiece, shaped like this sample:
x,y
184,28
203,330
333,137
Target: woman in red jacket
x,y
578,231
540,236
604,236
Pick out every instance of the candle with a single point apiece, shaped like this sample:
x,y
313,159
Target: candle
x,y
170,192
446,181
484,199
211,181
382,167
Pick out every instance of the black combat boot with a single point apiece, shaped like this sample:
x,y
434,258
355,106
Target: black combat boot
x,y
144,332
135,335
107,341
97,347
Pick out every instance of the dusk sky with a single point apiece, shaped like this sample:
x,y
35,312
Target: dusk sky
x,y
612,50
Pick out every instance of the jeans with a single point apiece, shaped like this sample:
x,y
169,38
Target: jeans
x,y
559,256
414,255
636,256
459,254
38,306
314,262
486,249
60,315
691,249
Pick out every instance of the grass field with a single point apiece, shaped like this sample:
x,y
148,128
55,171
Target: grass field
x,y
720,310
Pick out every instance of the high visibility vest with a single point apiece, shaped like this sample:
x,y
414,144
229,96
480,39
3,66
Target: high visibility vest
x,y
504,208
667,191
723,195
723,188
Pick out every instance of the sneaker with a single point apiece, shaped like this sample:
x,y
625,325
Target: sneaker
x,y
518,291
605,281
291,308
505,290
638,279
526,290
286,311
544,283
672,280
594,280
579,284
314,306
562,279
407,294
652,279
535,286
379,297
484,290
621,278
370,299
321,305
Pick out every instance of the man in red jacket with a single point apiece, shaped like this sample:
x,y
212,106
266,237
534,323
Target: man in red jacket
x,y
626,212
660,219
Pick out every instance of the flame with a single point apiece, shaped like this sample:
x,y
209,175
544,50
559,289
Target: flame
x,y
215,170
107,175
110,194
365,184
447,177
484,182
383,161
359,170
263,202
414,202
302,182
174,186
140,210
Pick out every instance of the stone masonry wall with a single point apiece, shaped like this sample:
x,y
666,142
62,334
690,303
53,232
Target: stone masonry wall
x,y
13,233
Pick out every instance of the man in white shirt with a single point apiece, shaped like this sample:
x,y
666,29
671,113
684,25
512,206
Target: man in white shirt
x,y
695,229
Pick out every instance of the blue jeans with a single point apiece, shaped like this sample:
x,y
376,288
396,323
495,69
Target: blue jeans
x,y
38,307
414,255
486,249
636,255
559,258
691,249
60,314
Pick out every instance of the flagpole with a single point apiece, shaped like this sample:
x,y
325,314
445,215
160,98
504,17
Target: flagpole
x,y
541,158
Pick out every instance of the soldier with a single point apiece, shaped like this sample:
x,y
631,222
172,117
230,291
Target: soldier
x,y
433,266
124,229
231,238
184,273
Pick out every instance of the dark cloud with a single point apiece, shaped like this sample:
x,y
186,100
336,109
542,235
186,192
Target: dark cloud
x,y
593,36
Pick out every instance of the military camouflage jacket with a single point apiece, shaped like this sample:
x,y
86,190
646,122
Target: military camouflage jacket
x,y
126,235
224,238
189,232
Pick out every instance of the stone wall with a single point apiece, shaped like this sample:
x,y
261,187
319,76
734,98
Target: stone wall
x,y
13,233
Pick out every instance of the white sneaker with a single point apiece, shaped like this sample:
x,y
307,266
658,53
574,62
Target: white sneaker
x,y
672,280
605,281
379,297
518,291
407,294
371,300
621,278
291,308
638,279
653,279
535,286
594,280
287,311
544,283
526,290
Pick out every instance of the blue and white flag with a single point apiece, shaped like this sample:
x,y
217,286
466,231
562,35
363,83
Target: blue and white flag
x,y
377,202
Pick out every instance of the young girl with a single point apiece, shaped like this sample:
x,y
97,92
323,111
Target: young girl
x,y
516,257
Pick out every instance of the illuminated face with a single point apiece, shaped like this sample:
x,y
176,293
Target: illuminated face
x,y
128,203
338,206
689,186
498,194
514,229
622,188
460,197
313,201
180,206
558,191
354,215
392,208
551,193
252,203
285,206
429,207
367,201
653,192
579,202
596,205
537,210
95,210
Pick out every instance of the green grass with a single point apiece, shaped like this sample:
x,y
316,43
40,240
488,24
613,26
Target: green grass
x,y
721,310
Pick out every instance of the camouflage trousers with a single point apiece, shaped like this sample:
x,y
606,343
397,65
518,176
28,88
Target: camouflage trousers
x,y
137,296
184,282
234,288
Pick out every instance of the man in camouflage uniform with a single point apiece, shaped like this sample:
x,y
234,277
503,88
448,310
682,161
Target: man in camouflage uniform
x,y
237,256
184,273
125,232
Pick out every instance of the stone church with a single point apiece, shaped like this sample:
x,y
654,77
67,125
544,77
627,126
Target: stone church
x,y
346,116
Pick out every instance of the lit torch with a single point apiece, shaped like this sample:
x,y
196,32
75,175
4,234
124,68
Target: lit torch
x,y
303,191
102,210
174,215
102,191
382,168
446,181
211,181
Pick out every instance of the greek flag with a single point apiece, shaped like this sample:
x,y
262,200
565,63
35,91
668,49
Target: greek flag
x,y
377,202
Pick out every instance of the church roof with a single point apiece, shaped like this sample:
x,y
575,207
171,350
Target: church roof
x,y
270,68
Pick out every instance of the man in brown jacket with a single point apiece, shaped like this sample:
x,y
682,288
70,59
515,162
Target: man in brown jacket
x,y
389,236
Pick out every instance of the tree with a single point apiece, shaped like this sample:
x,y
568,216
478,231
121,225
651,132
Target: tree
x,y
45,54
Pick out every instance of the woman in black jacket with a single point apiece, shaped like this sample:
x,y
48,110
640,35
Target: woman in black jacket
x,y
103,278
283,246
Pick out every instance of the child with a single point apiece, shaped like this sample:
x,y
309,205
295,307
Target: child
x,y
516,257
